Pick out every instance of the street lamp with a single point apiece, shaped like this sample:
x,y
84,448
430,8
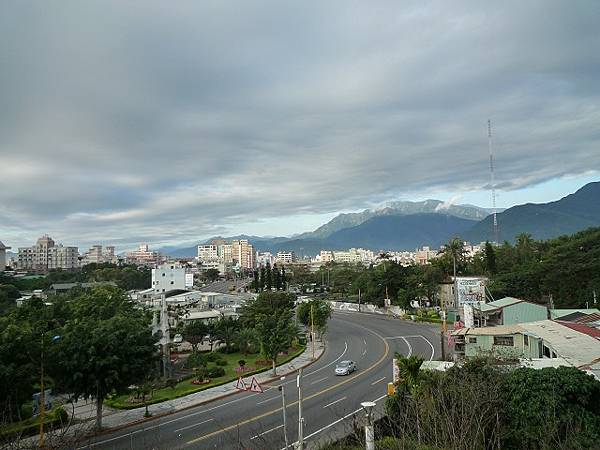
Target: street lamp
x,y
369,433
282,389
42,442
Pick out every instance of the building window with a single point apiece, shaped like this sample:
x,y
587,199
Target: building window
x,y
526,339
507,341
472,340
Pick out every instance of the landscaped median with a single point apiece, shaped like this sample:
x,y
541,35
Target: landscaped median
x,y
254,363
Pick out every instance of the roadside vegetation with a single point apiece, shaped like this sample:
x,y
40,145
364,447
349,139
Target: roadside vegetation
x,y
487,404
566,268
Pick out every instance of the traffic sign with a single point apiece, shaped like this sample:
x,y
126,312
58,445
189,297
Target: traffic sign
x,y
241,385
254,386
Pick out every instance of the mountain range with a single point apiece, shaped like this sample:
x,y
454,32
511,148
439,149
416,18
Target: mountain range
x,y
408,225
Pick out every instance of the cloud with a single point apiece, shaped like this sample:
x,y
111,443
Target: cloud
x,y
140,121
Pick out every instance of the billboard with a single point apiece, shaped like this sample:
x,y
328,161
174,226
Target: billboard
x,y
470,290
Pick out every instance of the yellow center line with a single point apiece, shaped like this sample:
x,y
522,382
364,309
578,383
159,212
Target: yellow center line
x,y
316,394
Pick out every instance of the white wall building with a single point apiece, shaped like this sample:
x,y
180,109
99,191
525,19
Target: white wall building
x,y
98,255
208,252
286,257
3,249
46,255
168,277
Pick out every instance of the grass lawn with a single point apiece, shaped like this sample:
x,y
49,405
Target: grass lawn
x,y
186,387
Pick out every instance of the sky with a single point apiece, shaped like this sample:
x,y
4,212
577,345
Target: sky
x,y
124,122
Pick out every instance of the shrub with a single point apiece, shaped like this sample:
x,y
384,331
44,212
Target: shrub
x,y
215,372
221,362
196,360
171,383
26,411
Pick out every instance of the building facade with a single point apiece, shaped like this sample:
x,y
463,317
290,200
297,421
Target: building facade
x,y
98,255
143,255
46,255
168,277
285,257
3,249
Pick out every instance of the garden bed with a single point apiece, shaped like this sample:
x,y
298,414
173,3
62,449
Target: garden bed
x,y
185,386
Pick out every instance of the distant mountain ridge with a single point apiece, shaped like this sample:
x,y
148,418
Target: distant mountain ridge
x,y
570,214
347,220
409,225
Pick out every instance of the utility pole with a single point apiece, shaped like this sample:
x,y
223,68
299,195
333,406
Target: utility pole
x,y
300,418
42,443
312,329
358,299
282,389
369,432
493,184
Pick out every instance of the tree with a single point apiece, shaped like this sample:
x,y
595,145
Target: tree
x,y
490,258
246,340
321,313
283,279
276,278
267,303
194,332
106,347
226,330
275,333
212,275
268,278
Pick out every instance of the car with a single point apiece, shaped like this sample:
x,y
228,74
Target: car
x,y
178,339
345,367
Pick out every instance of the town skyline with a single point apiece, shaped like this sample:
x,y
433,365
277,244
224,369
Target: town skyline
x,y
166,125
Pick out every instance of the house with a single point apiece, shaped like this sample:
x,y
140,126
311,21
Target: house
x,y
571,344
508,311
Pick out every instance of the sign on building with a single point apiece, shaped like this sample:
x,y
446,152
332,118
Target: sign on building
x,y
470,290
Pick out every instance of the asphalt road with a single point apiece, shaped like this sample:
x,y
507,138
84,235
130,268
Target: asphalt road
x,y
330,404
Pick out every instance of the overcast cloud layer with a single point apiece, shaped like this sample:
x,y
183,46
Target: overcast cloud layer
x,y
125,122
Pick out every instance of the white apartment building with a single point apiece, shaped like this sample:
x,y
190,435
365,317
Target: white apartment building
x,y
143,255
350,256
168,277
208,252
98,255
46,255
3,249
285,257
262,259
325,256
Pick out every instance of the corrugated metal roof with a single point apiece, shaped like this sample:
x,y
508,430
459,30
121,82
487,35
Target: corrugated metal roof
x,y
489,331
558,313
578,348
506,301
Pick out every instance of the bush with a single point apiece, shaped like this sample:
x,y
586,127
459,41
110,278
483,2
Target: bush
x,y
171,383
213,357
215,372
196,360
221,362
26,411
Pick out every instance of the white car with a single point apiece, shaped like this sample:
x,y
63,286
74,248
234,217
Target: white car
x,y
345,368
178,339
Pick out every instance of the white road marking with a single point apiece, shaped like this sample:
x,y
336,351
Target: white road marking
x,y
334,402
432,348
402,337
267,400
409,347
319,380
193,425
265,432
334,423
378,381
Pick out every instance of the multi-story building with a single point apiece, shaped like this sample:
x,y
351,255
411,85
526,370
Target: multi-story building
x,y
425,255
326,256
98,255
209,252
168,277
286,257
3,249
243,254
264,258
143,255
46,255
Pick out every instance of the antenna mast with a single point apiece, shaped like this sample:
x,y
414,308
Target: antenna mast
x,y
492,182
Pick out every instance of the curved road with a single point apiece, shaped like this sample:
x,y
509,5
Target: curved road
x,y
254,421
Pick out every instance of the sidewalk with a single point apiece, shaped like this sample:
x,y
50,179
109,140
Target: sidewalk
x,y
112,418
